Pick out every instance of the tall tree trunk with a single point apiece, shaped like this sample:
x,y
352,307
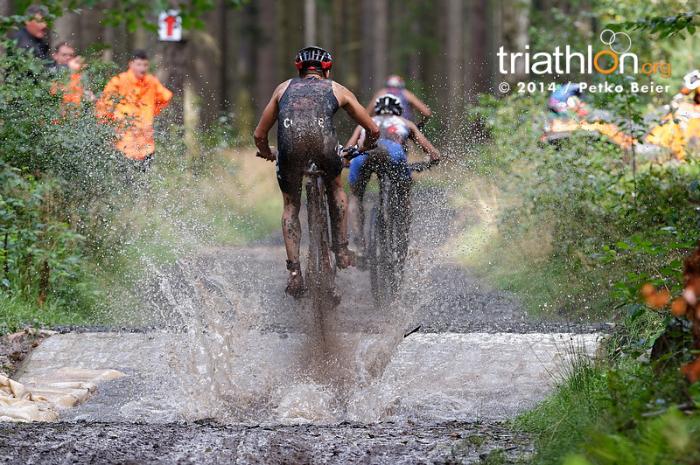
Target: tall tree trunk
x,y
204,67
6,7
366,51
434,25
325,36
245,62
454,73
223,55
89,27
415,60
455,42
116,39
479,75
515,21
231,36
266,76
173,68
309,22
479,47
380,42
354,71
67,29
339,39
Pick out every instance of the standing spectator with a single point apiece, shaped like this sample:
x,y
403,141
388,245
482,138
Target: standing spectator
x,y
34,35
63,53
133,99
68,67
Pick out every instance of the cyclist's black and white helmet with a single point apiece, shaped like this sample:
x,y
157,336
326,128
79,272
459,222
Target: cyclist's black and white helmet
x,y
388,105
691,81
313,57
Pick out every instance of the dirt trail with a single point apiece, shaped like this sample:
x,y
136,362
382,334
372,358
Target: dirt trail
x,y
242,352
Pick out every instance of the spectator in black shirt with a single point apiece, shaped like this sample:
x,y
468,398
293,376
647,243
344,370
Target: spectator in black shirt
x,y
34,35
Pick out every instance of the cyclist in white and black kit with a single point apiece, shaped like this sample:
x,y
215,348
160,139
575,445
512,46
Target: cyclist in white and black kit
x,y
395,132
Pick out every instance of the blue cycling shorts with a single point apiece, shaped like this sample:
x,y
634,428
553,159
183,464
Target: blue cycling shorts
x,y
396,153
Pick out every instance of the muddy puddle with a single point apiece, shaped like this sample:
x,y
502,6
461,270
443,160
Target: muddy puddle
x,y
256,377
232,371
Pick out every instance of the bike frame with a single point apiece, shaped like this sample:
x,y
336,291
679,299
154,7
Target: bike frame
x,y
320,272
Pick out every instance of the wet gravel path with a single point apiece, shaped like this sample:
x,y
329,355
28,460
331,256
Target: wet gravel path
x,y
209,443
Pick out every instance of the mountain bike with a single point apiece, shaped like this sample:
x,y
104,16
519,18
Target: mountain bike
x,y
320,266
390,220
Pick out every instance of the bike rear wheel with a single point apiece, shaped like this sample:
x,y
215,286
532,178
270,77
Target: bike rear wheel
x,y
321,262
388,242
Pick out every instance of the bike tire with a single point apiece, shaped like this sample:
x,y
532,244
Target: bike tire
x,y
372,254
380,248
379,260
321,264
394,257
401,224
388,238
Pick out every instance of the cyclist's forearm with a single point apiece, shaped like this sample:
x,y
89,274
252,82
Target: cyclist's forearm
x,y
423,121
425,111
262,143
371,134
370,141
355,138
357,112
425,145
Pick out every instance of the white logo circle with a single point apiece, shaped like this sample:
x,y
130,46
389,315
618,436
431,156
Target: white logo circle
x,y
616,39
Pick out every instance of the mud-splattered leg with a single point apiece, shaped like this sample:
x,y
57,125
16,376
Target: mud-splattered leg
x,y
337,207
291,228
356,211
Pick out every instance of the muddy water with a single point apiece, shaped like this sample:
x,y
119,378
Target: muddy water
x,y
285,384
429,377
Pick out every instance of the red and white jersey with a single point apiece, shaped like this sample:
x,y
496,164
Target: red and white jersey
x,y
391,127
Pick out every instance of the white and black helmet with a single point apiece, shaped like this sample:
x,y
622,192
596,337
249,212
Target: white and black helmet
x,y
691,81
388,104
313,58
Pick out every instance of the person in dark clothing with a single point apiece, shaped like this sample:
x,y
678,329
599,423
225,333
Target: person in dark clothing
x,y
33,37
304,107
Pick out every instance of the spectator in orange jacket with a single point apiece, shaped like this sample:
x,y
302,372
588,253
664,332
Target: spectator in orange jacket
x,y
68,68
133,99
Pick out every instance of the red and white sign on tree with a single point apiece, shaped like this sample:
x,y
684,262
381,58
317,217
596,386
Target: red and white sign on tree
x,y
170,26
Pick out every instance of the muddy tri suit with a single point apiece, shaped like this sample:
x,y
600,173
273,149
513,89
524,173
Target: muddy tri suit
x,y
303,110
394,134
305,132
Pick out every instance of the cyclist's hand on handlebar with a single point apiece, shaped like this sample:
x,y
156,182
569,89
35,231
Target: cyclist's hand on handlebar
x,y
348,153
272,156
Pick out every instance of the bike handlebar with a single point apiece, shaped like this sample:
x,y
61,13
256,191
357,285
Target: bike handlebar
x,y
348,153
422,165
